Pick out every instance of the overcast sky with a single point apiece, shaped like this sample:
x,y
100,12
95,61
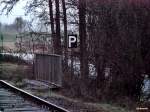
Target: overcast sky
x,y
18,11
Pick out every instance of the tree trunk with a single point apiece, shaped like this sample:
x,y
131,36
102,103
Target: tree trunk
x,y
65,30
83,50
57,41
51,20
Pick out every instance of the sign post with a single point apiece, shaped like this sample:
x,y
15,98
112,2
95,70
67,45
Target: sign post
x,y
1,51
2,38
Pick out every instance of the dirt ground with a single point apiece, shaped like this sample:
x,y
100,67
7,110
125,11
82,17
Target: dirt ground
x,y
9,45
71,104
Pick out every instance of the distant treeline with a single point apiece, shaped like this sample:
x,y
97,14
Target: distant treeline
x,y
18,25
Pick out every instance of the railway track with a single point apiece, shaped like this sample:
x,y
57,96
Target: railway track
x,y
13,99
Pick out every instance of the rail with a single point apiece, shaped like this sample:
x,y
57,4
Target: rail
x,y
34,99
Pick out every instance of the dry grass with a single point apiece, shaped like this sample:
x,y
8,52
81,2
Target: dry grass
x,y
12,72
75,104
9,45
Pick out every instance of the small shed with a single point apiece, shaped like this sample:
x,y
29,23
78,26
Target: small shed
x,y
48,68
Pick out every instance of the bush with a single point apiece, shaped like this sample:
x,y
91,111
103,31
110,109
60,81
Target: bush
x,y
12,59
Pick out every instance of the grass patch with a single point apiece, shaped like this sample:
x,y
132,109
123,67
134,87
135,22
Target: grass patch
x,y
109,107
9,37
12,72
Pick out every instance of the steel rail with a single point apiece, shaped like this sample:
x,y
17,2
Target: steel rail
x,y
41,102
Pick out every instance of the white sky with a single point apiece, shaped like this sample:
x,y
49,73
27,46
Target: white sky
x,y
18,11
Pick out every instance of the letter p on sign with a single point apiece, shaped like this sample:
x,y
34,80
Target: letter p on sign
x,y
72,41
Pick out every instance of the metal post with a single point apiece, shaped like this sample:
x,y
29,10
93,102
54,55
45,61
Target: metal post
x,y
1,53
33,67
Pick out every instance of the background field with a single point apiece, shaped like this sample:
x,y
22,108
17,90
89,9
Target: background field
x,y
9,37
9,40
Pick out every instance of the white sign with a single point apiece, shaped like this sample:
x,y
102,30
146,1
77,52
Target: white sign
x,y
72,41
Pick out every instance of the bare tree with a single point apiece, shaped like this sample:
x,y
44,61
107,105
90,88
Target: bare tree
x,y
65,30
57,40
83,47
51,19
19,24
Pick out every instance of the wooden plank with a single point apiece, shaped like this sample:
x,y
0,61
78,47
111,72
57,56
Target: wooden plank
x,y
49,68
